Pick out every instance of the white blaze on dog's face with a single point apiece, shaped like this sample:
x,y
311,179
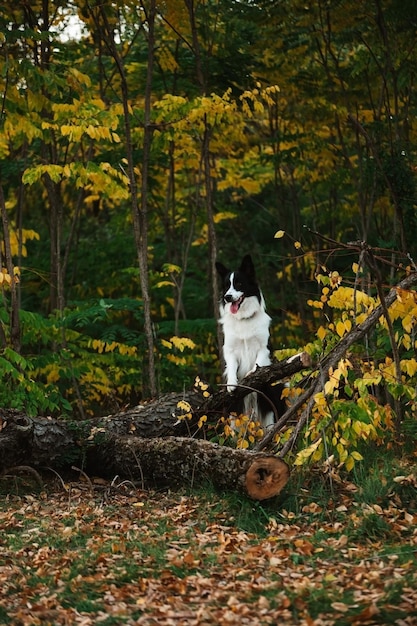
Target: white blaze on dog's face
x,y
241,294
234,296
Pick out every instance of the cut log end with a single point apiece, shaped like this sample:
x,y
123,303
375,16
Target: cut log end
x,y
266,477
303,358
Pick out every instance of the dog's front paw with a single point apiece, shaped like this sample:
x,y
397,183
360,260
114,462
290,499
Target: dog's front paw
x,y
231,386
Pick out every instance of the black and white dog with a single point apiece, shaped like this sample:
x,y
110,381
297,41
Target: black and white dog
x,y
246,335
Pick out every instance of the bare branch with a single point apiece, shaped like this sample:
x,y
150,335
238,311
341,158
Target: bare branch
x,y
328,362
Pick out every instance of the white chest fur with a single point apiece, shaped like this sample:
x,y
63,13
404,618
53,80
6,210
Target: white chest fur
x,y
245,343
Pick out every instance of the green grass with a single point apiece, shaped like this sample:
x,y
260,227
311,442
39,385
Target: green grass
x,y
340,550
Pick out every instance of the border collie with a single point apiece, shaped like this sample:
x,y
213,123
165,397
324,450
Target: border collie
x,y
246,334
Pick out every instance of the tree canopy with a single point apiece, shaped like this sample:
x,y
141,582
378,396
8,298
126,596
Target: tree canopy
x,y
140,141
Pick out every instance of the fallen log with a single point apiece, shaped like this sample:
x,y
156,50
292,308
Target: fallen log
x,y
44,441
144,442
162,417
173,461
152,462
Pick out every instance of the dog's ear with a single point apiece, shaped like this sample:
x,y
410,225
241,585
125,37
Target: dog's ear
x,y
222,270
247,266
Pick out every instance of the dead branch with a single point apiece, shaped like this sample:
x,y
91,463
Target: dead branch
x,y
320,375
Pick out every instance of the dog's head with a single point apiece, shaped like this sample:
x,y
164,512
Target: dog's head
x,y
241,294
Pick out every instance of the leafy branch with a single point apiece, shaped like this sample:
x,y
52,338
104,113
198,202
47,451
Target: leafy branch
x,y
320,374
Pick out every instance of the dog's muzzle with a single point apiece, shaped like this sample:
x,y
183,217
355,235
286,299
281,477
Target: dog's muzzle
x,y
234,304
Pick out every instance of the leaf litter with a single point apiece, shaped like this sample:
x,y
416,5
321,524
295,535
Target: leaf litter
x,y
134,557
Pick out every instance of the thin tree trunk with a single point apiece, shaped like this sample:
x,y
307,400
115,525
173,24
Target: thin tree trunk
x,y
205,159
57,285
14,305
144,206
205,154
139,209
19,228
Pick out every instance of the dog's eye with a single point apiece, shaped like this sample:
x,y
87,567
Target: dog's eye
x,y
238,285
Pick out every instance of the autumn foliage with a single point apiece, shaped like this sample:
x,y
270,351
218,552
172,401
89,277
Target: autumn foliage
x,y
158,136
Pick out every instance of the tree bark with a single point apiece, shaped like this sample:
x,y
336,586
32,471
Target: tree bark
x,y
169,461
143,208
33,441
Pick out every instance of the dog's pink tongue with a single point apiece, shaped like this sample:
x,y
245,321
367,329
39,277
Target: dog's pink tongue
x,y
234,307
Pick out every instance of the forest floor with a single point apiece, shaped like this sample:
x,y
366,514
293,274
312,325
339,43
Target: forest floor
x,y
328,551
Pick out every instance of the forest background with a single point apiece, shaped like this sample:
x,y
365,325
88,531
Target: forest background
x,y
141,141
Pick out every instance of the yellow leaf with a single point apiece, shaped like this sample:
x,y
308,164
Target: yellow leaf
x,y
372,378
53,375
279,234
406,341
176,359
340,328
297,245
184,405
330,386
249,185
224,215
350,463
321,333
409,366
305,454
81,78
408,322
183,342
